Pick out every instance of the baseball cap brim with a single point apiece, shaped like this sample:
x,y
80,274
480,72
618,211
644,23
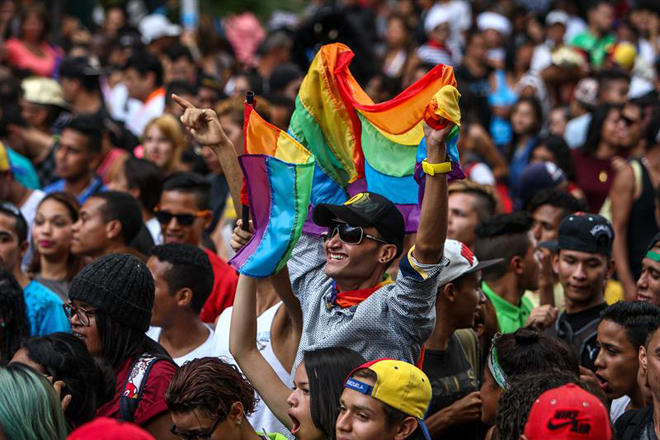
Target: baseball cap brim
x,y
325,215
552,245
484,265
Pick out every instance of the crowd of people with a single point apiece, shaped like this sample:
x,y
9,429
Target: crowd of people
x,y
525,306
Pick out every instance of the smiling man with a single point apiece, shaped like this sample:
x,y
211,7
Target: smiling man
x,y
583,264
622,331
648,284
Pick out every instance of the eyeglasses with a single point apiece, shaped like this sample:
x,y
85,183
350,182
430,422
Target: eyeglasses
x,y
202,435
70,309
187,219
351,234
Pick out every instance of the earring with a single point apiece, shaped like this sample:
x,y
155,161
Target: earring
x,y
240,422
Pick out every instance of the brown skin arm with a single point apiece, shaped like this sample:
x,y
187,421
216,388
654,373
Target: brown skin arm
x,y
465,410
160,427
432,230
205,127
287,324
622,195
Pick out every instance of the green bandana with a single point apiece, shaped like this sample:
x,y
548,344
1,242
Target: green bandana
x,y
653,256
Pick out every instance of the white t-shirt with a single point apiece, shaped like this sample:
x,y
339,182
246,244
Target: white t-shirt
x,y
29,211
154,230
204,350
139,116
618,407
262,418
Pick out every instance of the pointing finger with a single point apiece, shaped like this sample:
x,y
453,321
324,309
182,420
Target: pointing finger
x,y
182,102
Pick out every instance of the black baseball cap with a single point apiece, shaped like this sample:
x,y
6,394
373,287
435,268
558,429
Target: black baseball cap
x,y
365,209
584,232
78,67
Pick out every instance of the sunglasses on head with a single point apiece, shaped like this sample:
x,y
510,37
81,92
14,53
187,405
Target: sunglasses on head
x,y
186,219
351,234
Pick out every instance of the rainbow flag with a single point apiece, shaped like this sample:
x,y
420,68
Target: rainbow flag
x,y
278,172
359,145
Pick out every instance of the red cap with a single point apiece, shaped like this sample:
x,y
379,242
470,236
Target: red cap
x,y
568,413
105,428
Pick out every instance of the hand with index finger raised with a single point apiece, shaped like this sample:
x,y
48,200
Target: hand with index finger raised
x,y
203,124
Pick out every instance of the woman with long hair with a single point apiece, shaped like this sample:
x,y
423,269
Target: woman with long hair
x,y
53,263
30,408
31,51
110,310
64,357
597,158
310,411
526,122
163,143
14,324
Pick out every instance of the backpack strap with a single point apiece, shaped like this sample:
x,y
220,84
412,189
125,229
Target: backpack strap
x,y
631,421
134,385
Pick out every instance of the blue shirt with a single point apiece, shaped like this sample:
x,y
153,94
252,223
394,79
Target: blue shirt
x,y
95,186
44,310
23,170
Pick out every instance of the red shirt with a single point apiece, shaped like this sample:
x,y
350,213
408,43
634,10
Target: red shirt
x,y
152,402
224,288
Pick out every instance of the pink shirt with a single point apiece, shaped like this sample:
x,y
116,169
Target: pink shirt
x,y
18,55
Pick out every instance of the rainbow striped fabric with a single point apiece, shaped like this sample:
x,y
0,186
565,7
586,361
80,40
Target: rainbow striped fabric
x,y
359,145
278,172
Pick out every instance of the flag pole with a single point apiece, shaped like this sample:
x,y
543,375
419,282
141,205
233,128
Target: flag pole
x,y
245,209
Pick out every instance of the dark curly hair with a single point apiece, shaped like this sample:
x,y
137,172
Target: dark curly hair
x,y
89,381
528,350
190,267
210,385
13,315
517,400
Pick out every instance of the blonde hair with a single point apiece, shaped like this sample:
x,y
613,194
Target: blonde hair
x,y
170,127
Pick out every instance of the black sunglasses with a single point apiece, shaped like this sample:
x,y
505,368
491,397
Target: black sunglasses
x,y
351,234
199,436
165,217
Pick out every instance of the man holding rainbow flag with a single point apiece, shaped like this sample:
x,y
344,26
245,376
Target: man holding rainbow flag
x,y
339,278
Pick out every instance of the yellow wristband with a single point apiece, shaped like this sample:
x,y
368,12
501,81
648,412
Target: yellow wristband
x,y
436,168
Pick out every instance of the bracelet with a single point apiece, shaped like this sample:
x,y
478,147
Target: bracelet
x,y
436,168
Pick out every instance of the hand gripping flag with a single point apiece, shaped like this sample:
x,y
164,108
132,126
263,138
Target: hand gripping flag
x,y
359,145
278,172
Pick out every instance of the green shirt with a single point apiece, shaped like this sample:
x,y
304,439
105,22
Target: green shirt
x,y
596,47
272,436
510,317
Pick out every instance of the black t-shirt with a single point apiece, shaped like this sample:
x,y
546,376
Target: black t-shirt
x,y
452,378
218,198
474,92
635,424
581,331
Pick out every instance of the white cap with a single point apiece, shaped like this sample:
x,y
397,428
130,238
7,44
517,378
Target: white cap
x,y
557,16
436,16
461,262
495,21
155,26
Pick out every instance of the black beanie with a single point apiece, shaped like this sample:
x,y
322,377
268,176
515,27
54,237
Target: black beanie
x,y
119,284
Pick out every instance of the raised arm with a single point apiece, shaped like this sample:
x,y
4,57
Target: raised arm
x,y
432,230
622,194
243,346
205,126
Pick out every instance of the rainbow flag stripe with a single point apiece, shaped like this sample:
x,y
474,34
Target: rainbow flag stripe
x,y
278,172
359,145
